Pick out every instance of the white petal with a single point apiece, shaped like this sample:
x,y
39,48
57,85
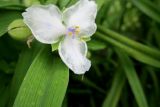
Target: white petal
x,y
82,14
45,23
73,53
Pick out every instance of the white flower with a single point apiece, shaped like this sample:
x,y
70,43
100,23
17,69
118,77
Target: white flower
x,y
48,24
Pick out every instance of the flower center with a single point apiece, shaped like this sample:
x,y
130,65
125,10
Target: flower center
x,y
73,31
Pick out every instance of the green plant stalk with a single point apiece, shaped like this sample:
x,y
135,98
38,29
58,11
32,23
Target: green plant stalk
x,y
140,56
116,90
138,46
132,78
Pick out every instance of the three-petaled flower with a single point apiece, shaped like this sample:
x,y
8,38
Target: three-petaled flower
x,y
48,24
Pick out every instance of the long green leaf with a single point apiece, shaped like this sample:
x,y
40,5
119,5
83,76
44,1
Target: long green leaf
x,y
138,46
11,5
45,83
132,78
25,59
138,55
148,8
115,91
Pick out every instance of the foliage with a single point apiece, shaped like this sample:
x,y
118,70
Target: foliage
x,y
125,55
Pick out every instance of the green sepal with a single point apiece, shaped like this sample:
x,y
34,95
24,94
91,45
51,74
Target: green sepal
x,y
86,39
55,46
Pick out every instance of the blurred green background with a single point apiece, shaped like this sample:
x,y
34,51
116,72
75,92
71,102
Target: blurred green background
x,y
125,55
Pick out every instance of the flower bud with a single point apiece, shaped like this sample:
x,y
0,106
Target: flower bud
x,y
18,30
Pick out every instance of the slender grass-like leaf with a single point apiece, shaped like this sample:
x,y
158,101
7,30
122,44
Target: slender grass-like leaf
x,y
45,82
11,5
132,78
148,8
138,55
133,44
105,7
115,91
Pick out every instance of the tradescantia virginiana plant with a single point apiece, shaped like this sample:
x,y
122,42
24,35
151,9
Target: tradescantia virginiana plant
x,y
124,52
48,24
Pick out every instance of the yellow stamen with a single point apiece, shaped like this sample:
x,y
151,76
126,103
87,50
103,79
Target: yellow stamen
x,y
77,30
70,33
77,27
